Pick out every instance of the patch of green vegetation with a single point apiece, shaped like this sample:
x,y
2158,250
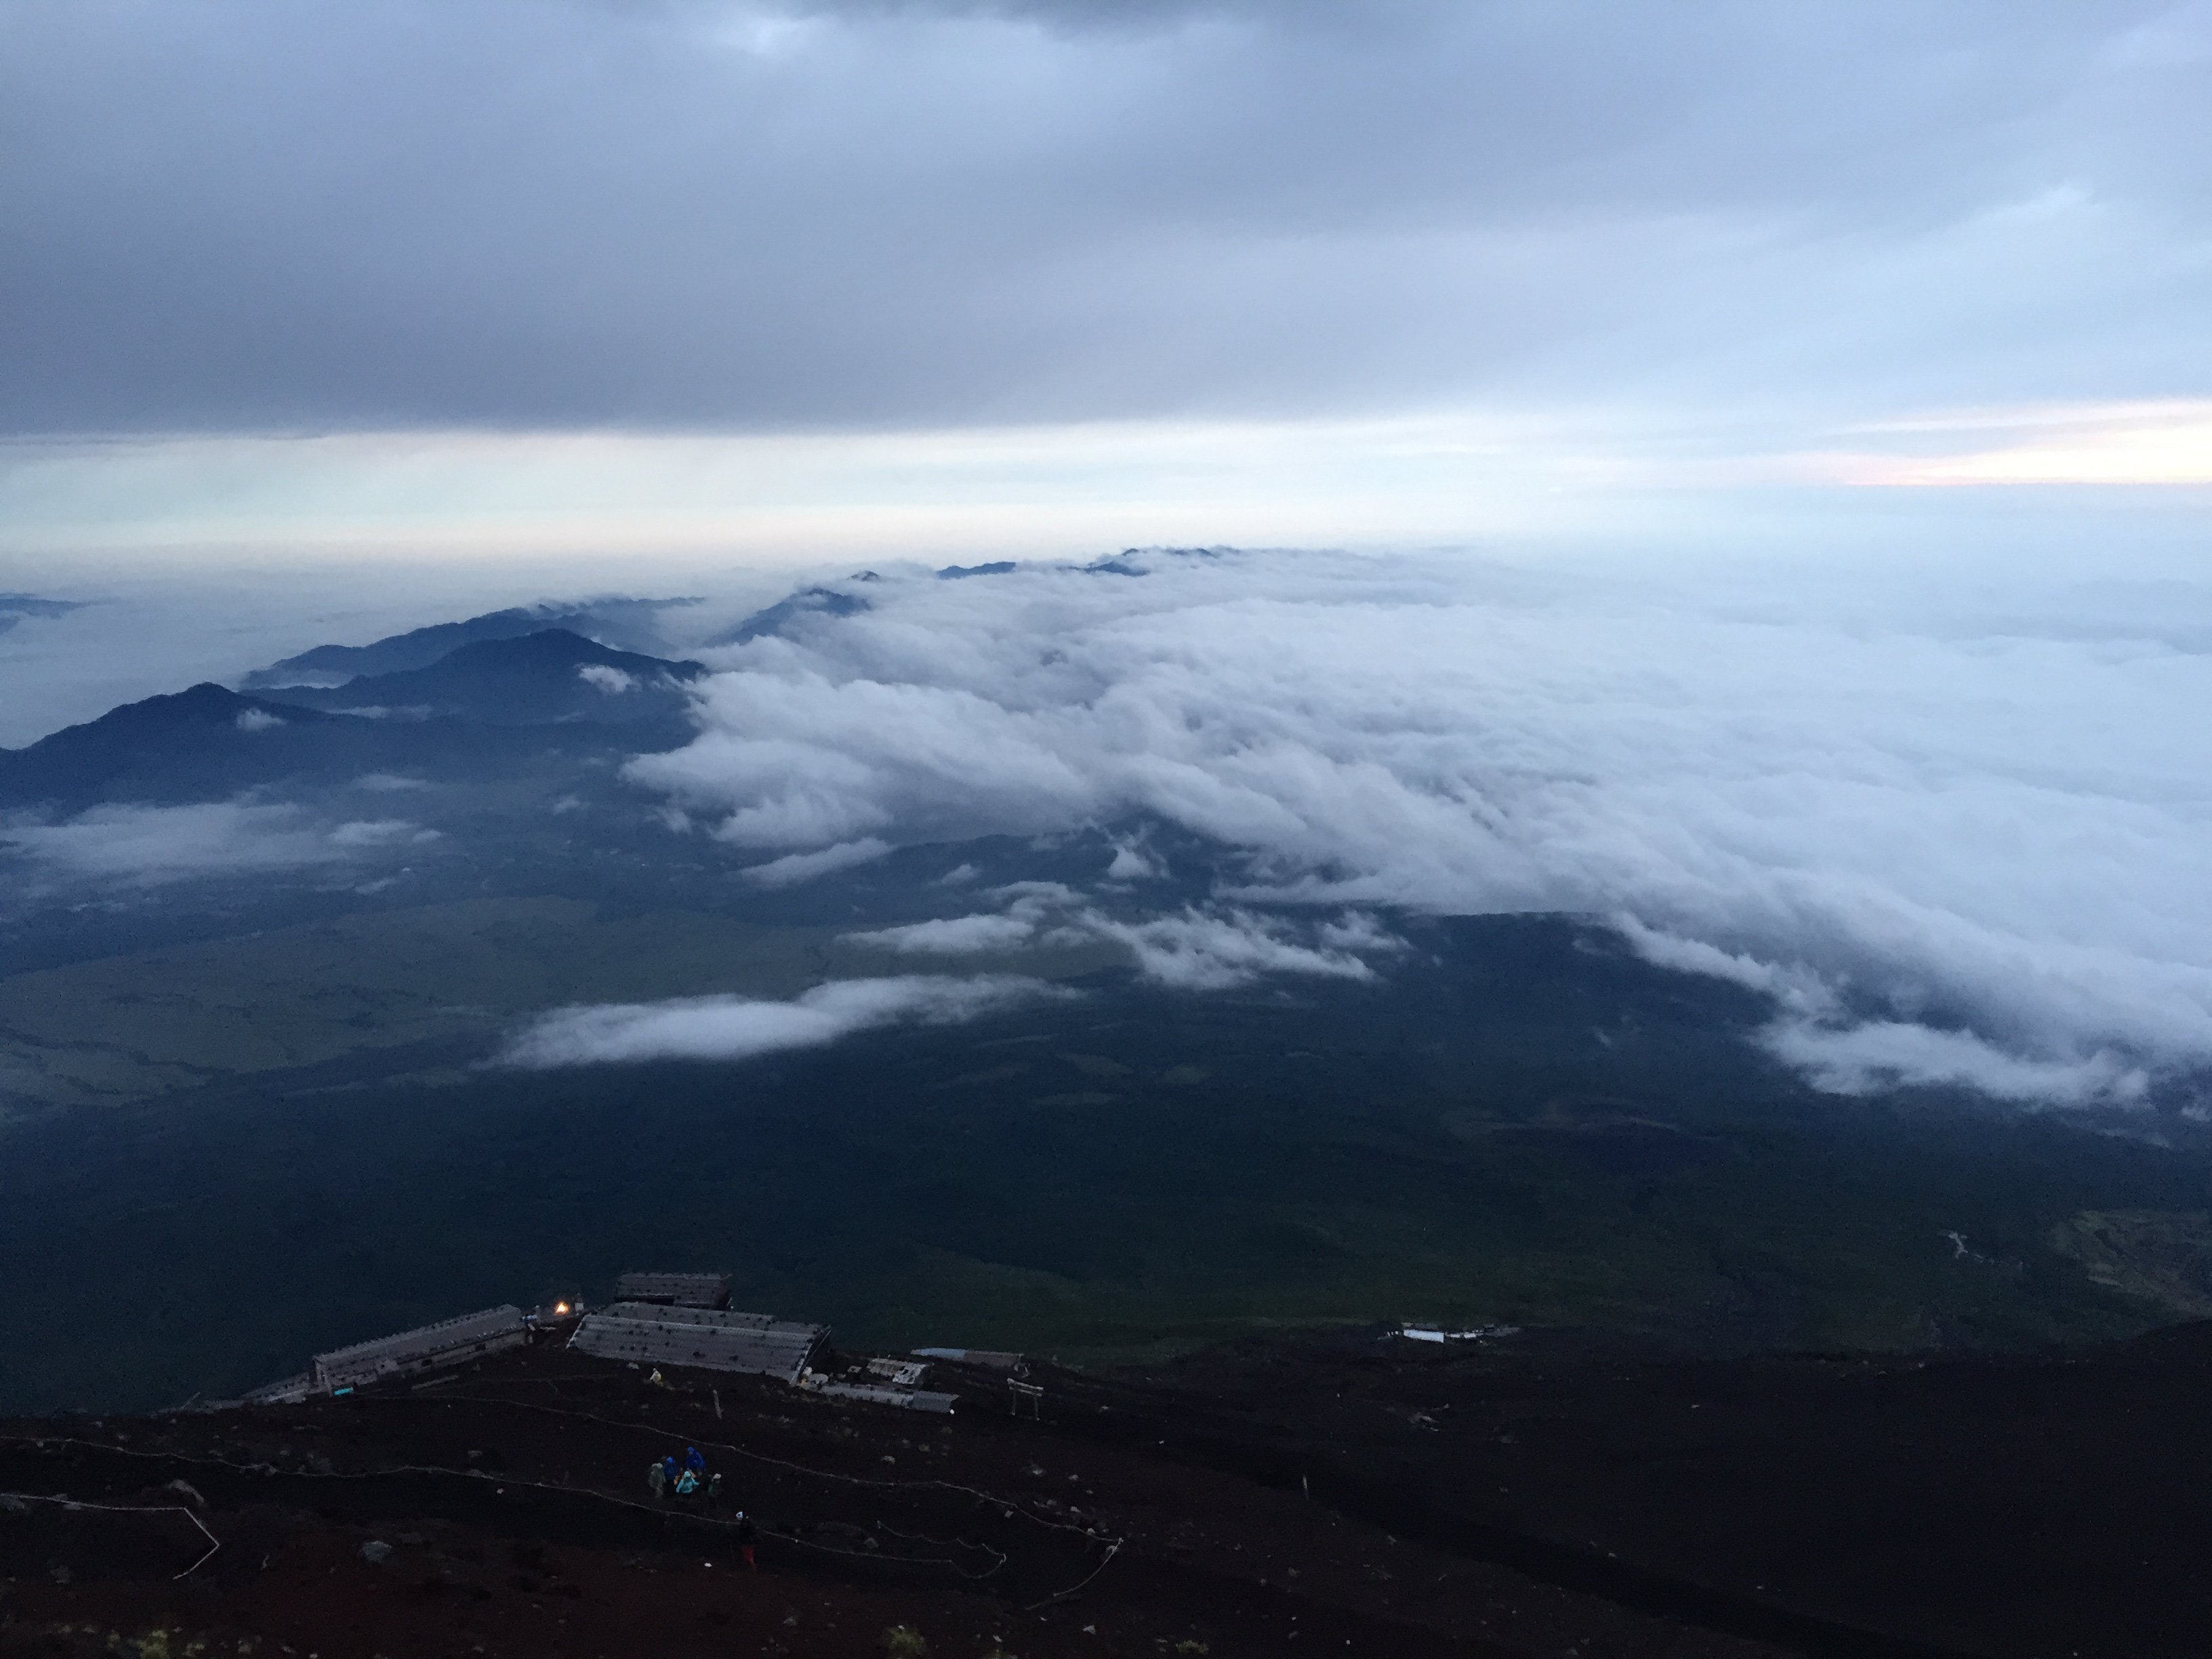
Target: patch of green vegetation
x,y
1457,1145
2163,1257
127,1027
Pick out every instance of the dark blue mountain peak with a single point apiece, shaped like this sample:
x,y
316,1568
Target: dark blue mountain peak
x,y
615,621
807,602
551,675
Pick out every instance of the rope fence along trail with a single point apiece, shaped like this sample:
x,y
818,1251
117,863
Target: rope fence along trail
x,y
878,1557
214,1542
1009,1508
503,1482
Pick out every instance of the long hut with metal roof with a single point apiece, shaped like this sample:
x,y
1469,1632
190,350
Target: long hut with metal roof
x,y
448,1342
710,1339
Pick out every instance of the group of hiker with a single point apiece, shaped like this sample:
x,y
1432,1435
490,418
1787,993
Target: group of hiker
x,y
686,1480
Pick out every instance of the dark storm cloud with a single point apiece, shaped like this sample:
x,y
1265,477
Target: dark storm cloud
x,y
252,216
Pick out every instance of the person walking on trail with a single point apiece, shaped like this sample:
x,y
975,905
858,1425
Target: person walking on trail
x,y
656,1478
714,1490
746,1538
668,1470
687,1484
693,1461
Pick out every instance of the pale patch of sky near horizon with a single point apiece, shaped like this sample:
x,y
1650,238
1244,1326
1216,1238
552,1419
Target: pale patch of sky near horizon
x,y
1051,490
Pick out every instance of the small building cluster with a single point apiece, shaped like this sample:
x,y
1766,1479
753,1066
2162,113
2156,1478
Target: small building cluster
x,y
885,1383
659,1319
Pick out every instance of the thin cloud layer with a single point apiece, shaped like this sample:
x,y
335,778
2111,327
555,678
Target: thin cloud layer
x,y
1975,853
151,845
1194,950
739,1028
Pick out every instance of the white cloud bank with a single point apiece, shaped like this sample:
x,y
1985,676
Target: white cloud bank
x,y
154,844
739,1028
1194,950
1959,849
148,845
605,677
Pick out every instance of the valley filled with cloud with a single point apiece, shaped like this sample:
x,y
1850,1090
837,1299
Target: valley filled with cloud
x,y
1953,849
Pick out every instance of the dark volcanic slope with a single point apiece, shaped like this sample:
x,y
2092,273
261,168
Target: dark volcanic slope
x,y
1356,1494
2003,1506
513,1498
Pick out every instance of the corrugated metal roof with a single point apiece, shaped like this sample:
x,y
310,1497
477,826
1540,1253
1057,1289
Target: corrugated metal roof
x,y
725,1318
684,1290
884,1394
445,1342
285,1391
775,1350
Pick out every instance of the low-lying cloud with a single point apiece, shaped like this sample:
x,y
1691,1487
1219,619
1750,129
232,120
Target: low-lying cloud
x,y
1194,950
738,1028
1957,847
154,844
148,845
795,868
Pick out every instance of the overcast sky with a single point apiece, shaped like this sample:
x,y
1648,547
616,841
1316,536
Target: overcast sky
x,y
1820,242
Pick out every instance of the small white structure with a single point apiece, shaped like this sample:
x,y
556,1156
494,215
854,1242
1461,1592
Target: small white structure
x,y
885,1393
992,1357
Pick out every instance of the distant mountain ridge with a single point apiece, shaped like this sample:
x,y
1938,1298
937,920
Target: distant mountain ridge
x,y
611,621
207,738
14,607
807,602
208,741
549,675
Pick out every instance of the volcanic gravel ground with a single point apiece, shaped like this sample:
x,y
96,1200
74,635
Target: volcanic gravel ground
x,y
1356,1493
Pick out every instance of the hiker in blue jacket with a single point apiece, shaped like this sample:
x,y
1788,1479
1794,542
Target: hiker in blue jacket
x,y
693,1461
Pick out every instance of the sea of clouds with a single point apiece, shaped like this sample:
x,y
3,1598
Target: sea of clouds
x,y
1954,850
